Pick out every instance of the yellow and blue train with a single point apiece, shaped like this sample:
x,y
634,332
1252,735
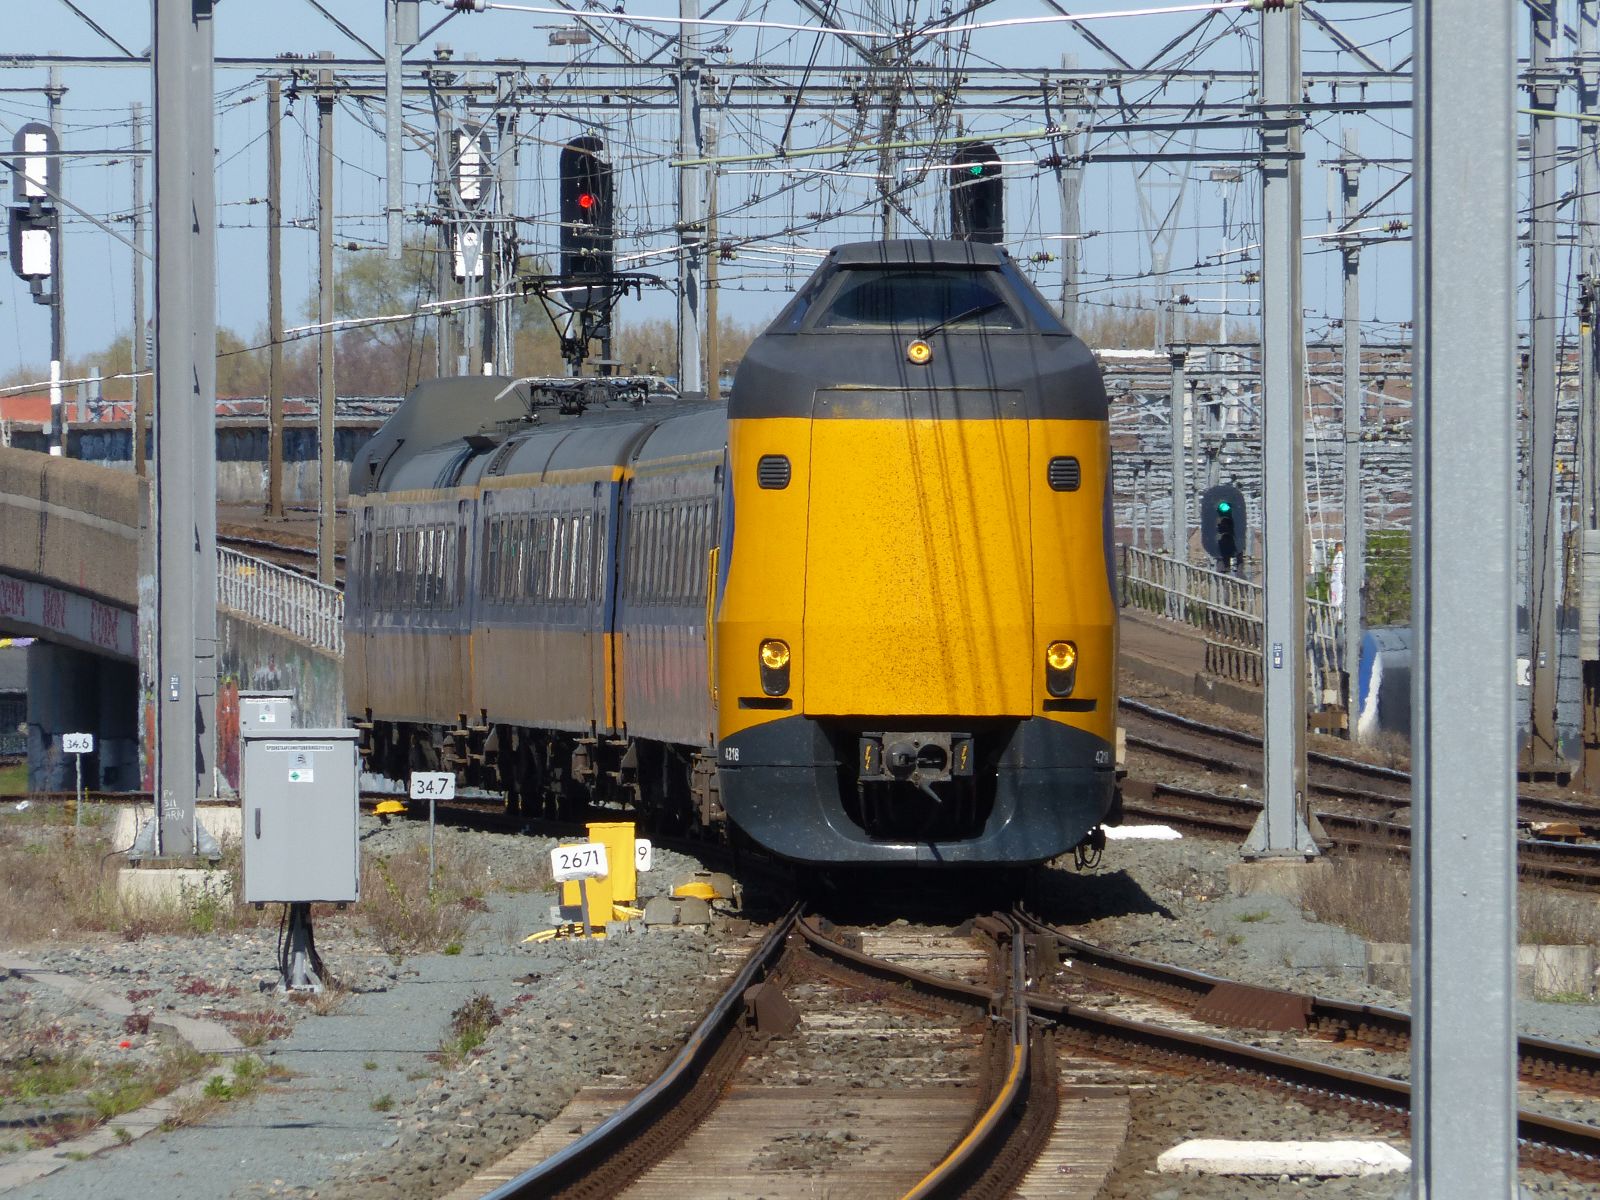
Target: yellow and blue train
x,y
865,611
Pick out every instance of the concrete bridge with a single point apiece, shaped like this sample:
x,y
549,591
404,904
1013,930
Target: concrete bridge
x,y
75,573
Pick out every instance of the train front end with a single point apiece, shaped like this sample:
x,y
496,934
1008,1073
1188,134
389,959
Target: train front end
x,y
915,652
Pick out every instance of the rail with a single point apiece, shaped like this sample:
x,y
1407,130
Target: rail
x,y
282,599
1228,612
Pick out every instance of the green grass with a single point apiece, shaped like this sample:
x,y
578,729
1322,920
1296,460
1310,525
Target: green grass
x,y
14,780
1251,918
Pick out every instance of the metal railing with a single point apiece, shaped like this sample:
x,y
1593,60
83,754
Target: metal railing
x,y
274,596
1227,610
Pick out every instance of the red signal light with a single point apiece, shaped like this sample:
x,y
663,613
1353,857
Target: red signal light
x,y
585,200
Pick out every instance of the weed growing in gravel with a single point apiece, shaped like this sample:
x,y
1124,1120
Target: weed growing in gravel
x,y
404,916
1548,917
255,1028
1371,897
469,1028
369,1065
383,1103
1251,918
244,1079
104,1090
57,879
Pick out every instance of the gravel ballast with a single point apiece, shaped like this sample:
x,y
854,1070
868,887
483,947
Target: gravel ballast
x,y
368,1109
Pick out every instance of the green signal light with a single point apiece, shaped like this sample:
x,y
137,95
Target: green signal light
x,y
975,169
1224,507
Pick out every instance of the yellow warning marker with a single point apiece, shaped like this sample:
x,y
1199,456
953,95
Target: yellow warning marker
x,y
698,889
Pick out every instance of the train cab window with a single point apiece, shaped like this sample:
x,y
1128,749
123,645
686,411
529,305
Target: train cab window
x,y
918,299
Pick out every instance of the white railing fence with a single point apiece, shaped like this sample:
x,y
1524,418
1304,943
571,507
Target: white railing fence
x,y
272,595
1227,610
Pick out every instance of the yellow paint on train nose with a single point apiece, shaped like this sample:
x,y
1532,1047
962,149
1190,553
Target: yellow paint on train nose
x,y
918,589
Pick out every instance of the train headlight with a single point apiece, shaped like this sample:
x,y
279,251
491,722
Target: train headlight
x,y
919,352
774,667
1060,668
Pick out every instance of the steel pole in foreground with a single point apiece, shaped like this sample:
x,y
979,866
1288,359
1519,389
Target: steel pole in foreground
x,y
691,218
1589,419
1463,749
142,387
1281,830
1355,525
1178,526
178,407
327,503
1544,321
203,471
275,299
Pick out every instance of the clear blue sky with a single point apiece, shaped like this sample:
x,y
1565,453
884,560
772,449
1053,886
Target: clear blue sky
x,y
761,199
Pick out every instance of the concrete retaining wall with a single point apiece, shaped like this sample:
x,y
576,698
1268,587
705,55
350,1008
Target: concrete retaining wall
x,y
252,659
1541,970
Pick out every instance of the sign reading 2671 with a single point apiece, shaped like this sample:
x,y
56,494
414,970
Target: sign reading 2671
x,y
581,860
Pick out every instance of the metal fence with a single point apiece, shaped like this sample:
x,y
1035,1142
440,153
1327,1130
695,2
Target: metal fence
x,y
1227,610
283,599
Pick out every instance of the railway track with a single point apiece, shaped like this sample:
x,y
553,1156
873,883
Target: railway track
x,y
1232,1004
1341,784
295,555
1213,814
711,1110
1351,818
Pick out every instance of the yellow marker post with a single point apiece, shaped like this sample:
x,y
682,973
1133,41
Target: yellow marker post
x,y
618,837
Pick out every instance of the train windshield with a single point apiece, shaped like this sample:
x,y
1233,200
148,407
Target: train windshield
x,y
920,299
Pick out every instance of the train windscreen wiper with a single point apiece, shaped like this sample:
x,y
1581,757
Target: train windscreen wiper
x,y
977,310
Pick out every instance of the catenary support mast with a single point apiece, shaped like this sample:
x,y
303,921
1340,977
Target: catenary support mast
x,y
1281,831
1463,754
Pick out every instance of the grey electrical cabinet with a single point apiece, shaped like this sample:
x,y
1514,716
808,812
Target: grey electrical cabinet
x,y
269,712
301,801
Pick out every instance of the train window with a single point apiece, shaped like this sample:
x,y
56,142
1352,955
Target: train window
x,y
491,556
789,320
1033,303
578,557
918,298
586,561
552,583
652,552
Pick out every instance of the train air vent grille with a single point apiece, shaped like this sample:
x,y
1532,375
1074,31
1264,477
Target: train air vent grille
x,y
497,464
1064,474
772,472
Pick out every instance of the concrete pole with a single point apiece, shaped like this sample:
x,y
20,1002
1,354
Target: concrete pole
x,y
1355,525
1178,522
1069,177
507,159
327,502
1543,327
445,326
1281,831
179,404
275,299
1463,748
142,389
691,218
713,269
1071,182
393,118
